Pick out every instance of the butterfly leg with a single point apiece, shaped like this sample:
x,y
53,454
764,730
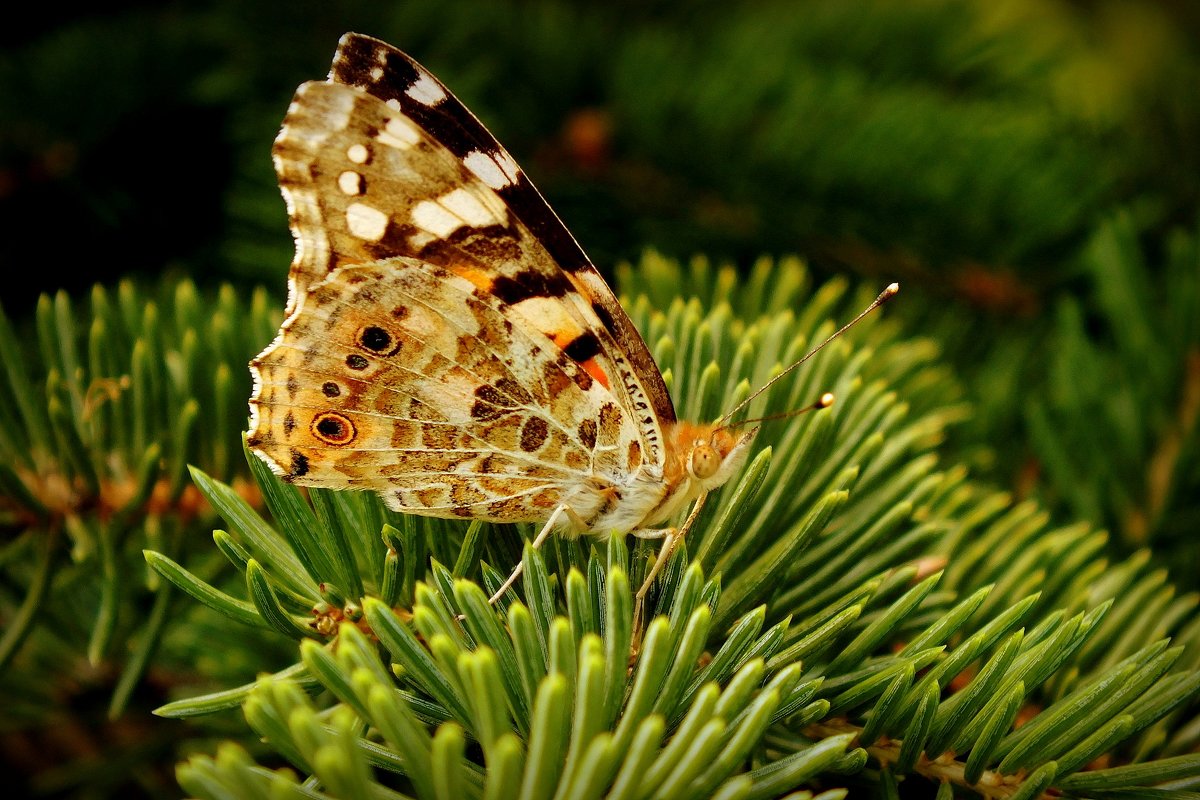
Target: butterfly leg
x,y
671,538
652,533
546,530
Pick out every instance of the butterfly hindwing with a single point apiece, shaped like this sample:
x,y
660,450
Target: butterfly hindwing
x,y
398,378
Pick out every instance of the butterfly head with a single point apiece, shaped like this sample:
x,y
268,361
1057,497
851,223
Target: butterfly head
x,y
712,453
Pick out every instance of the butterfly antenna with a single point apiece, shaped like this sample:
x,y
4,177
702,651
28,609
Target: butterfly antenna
x,y
884,296
825,401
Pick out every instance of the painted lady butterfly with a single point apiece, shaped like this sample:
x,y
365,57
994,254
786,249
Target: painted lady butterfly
x,y
447,342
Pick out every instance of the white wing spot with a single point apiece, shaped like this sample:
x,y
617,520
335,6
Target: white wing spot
x,y
350,182
508,165
366,222
357,153
456,208
429,215
486,169
376,73
399,133
426,90
494,203
464,204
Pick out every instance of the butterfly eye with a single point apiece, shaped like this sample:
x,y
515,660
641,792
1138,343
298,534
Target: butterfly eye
x,y
333,428
704,461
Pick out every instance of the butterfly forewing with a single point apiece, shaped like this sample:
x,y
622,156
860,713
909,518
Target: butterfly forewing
x,y
392,76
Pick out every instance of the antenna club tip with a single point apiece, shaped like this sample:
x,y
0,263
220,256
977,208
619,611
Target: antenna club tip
x,y
891,290
826,400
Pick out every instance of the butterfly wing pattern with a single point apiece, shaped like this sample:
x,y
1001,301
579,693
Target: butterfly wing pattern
x,y
447,343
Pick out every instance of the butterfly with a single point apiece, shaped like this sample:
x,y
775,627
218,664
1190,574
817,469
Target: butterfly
x,y
447,343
